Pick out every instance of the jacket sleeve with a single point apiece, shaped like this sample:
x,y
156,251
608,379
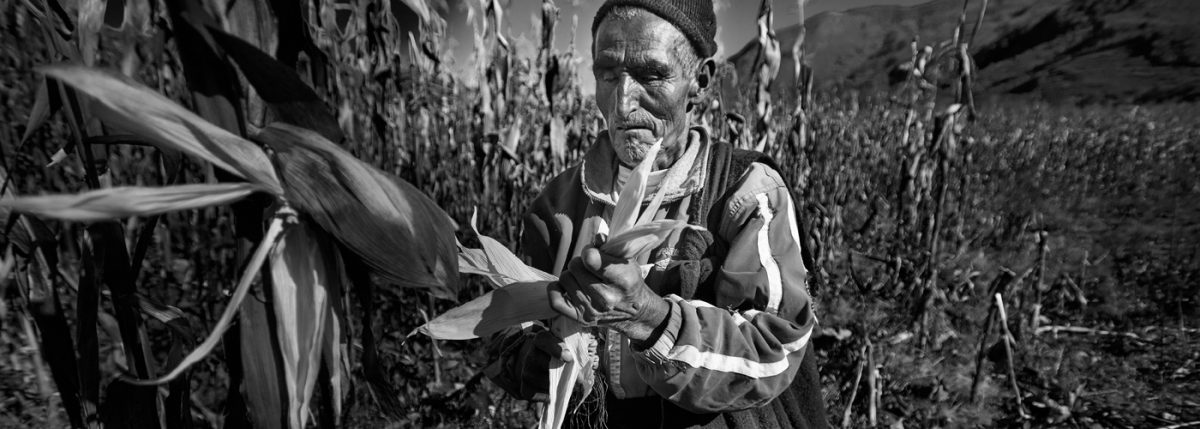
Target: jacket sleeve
x,y
744,351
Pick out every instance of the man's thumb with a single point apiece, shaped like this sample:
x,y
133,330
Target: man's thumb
x,y
592,259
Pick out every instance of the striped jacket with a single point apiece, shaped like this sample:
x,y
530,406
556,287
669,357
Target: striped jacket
x,y
741,316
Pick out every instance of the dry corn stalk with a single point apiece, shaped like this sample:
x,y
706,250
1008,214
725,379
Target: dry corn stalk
x,y
522,298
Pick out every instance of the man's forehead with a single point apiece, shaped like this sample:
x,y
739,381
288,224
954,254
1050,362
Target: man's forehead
x,y
641,31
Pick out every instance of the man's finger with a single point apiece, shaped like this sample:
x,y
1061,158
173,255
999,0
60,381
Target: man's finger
x,y
577,295
593,260
560,304
550,344
583,301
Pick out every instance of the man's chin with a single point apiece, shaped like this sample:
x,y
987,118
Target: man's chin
x,y
631,150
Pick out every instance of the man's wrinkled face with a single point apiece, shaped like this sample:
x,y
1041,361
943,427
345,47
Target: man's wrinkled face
x,y
642,85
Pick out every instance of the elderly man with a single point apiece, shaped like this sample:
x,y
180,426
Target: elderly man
x,y
717,333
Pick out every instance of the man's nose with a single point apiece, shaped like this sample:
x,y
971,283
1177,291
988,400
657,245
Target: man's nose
x,y
628,93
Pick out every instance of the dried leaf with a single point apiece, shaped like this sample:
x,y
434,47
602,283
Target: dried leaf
x,y
398,231
510,305
136,109
121,202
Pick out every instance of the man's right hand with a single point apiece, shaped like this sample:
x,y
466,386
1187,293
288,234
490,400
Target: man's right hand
x,y
522,361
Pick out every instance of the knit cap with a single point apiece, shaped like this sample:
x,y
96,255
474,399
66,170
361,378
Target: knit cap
x,y
695,18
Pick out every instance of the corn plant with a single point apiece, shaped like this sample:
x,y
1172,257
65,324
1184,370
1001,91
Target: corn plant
x,y
325,207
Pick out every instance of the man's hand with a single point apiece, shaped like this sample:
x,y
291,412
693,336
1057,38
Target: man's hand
x,y
599,289
523,360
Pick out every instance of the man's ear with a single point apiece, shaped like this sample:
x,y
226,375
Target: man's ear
x,y
706,72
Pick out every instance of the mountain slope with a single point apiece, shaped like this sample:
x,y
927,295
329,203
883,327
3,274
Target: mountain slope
x,y
1084,50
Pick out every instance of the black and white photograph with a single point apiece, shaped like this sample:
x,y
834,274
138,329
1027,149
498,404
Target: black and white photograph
x,y
599,214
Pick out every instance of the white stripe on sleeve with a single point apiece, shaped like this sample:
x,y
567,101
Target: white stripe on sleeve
x,y
696,358
774,281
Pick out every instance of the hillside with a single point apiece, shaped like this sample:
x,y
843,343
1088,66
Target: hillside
x,y
1060,50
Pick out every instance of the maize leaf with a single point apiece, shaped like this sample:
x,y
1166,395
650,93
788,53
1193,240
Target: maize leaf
x,y
231,309
259,397
398,231
121,202
302,268
510,305
294,101
136,109
334,354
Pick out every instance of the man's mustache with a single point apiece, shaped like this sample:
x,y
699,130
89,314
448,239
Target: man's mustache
x,y
635,122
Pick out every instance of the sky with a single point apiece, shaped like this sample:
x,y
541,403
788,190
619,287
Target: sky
x,y
735,26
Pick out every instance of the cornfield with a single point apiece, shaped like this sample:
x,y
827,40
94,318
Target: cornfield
x,y
232,214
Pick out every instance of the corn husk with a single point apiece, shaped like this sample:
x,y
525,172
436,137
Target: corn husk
x,y
495,262
513,304
401,234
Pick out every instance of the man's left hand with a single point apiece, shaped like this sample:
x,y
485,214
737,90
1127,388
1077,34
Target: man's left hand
x,y
600,289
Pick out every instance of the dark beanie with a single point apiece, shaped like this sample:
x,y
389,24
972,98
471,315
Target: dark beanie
x,y
694,18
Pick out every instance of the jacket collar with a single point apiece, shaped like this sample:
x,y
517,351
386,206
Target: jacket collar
x,y
598,170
